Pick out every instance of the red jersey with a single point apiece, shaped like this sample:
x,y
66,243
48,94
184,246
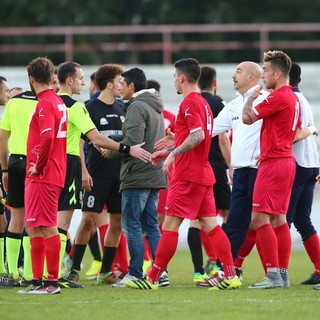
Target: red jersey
x,y
280,112
169,120
194,113
46,144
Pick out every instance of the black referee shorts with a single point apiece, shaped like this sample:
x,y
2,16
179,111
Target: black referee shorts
x,y
16,179
221,188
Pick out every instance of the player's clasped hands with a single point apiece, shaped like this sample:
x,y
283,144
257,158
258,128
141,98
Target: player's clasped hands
x,y
162,152
158,156
138,152
104,152
166,142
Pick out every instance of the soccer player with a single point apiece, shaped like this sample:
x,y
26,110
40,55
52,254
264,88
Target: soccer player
x,y
93,88
4,97
192,176
280,114
15,126
4,91
245,150
15,91
46,170
3,226
317,286
307,168
70,75
169,121
108,117
55,81
219,159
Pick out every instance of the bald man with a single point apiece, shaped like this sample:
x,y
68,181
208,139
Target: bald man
x,y
245,150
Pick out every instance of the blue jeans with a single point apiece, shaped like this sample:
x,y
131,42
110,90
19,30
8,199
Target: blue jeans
x,y
139,218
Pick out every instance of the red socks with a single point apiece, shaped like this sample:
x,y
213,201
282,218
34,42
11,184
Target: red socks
x,y
147,252
52,251
312,247
121,262
37,256
284,245
102,232
223,250
267,243
246,248
208,247
166,249
48,249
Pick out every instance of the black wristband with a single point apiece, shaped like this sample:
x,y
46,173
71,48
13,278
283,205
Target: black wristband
x,y
4,170
124,148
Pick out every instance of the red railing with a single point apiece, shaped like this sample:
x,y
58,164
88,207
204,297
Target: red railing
x,y
167,45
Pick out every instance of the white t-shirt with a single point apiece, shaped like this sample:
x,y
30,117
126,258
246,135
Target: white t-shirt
x,y
245,147
305,151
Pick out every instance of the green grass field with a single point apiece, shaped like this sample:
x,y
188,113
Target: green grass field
x,y
181,300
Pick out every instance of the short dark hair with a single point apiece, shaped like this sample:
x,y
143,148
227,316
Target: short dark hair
x,y
106,73
190,68
295,75
207,76
279,61
41,69
93,76
2,79
153,84
67,69
137,77
15,88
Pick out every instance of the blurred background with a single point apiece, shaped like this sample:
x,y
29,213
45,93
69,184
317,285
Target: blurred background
x,y
156,32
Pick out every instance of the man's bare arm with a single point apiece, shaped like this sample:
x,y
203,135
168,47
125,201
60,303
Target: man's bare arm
x,y
248,116
225,147
87,181
166,142
192,141
303,133
4,138
135,151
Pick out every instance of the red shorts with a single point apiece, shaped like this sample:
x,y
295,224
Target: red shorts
x,y
273,185
163,195
190,200
41,204
162,200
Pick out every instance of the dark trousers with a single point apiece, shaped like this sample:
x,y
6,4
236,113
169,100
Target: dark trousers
x,y
240,207
300,206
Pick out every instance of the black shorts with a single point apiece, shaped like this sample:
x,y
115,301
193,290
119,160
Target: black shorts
x,y
103,192
71,194
221,188
4,196
16,179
